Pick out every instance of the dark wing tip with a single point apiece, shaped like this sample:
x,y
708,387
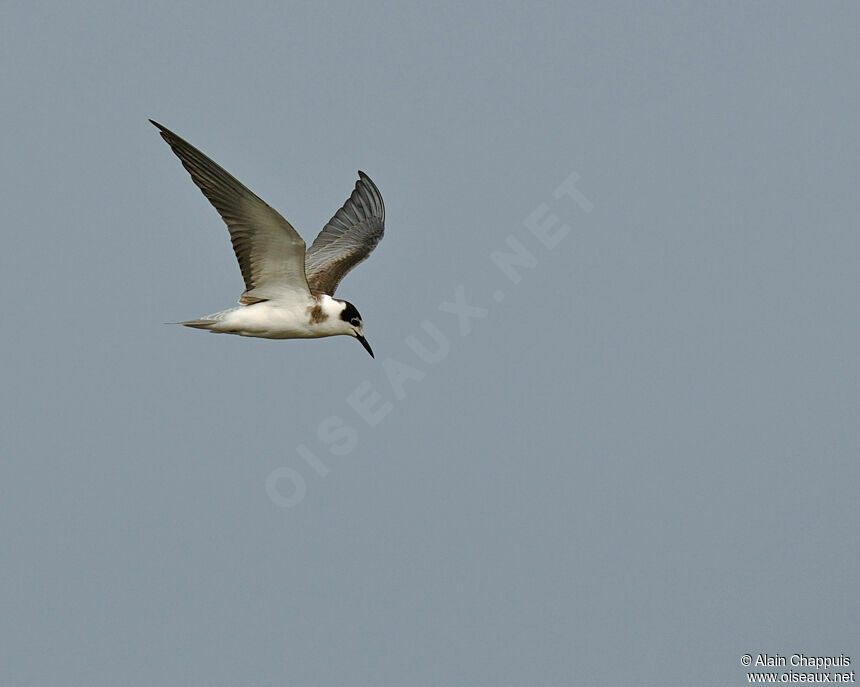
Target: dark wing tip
x,y
168,135
371,191
171,138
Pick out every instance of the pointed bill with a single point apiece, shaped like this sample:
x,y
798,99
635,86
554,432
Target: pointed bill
x,y
365,344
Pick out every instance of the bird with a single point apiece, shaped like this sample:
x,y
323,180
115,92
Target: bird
x,y
289,290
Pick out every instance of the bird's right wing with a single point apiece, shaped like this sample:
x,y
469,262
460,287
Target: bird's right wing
x,y
347,239
271,254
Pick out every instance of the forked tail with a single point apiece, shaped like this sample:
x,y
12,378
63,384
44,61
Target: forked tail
x,y
207,322
202,323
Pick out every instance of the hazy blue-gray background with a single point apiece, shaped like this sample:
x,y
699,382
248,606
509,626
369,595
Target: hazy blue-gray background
x,y
639,466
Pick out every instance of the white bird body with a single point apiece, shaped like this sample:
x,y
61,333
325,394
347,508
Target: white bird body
x,y
314,318
288,290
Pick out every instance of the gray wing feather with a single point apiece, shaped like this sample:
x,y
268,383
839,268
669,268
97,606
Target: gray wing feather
x,y
271,254
348,238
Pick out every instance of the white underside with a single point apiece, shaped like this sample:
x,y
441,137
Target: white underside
x,y
277,319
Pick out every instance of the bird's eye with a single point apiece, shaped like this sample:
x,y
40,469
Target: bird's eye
x,y
355,322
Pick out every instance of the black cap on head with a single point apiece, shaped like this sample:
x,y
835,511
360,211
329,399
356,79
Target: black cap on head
x,y
350,313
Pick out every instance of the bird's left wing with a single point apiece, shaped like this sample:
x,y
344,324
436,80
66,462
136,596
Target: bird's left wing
x,y
271,254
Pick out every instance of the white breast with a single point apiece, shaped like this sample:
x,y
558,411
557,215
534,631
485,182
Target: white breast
x,y
274,319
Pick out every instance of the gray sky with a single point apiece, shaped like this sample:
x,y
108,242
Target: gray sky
x,y
631,467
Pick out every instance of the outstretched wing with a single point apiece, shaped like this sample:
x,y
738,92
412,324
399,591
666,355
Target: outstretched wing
x,y
347,239
271,254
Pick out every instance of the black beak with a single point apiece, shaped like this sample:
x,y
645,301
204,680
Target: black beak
x,y
365,344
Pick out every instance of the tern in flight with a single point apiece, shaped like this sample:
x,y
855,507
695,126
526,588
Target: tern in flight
x,y
288,290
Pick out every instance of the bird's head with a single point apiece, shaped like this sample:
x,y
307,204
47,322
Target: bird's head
x,y
352,318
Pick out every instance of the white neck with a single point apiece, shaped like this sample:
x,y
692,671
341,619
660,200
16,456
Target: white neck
x,y
329,318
